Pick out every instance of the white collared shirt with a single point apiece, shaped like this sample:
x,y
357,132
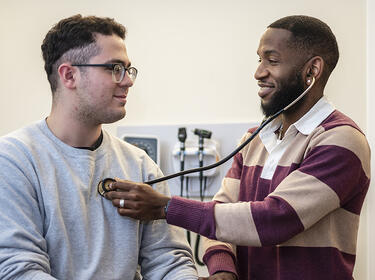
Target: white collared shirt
x,y
305,125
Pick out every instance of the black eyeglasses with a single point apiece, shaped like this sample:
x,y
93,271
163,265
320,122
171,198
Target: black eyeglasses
x,y
118,70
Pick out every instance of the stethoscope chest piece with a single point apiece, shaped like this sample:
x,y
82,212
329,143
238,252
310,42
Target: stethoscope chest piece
x,y
103,186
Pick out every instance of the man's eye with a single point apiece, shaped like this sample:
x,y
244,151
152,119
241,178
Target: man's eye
x,y
273,61
117,68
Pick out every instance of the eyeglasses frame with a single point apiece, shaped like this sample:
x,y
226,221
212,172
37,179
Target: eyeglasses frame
x,y
112,66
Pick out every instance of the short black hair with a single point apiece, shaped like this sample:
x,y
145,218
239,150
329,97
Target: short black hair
x,y
312,36
75,33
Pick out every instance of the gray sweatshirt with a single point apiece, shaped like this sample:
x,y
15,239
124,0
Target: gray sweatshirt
x,y
54,225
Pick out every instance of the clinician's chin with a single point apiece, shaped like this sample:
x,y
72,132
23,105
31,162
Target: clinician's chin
x,y
268,109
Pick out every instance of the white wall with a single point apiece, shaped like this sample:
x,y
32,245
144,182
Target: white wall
x,y
196,60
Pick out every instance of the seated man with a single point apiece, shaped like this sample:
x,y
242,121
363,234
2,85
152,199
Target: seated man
x,y
53,223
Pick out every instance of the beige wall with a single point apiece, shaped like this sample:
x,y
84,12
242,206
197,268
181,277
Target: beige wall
x,y
371,136
196,60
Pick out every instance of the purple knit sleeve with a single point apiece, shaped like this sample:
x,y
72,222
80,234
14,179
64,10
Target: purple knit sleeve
x,y
193,215
218,259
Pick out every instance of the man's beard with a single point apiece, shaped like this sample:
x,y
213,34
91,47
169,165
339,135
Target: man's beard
x,y
287,93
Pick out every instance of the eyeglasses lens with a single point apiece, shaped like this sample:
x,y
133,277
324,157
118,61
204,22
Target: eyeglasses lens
x,y
118,73
132,73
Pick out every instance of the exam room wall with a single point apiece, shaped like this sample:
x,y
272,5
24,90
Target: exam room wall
x,y
196,60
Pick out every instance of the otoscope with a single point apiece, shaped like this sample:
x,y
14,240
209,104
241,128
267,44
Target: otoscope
x,y
201,134
103,186
182,138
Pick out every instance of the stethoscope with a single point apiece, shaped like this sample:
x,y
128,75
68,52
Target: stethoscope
x,y
103,185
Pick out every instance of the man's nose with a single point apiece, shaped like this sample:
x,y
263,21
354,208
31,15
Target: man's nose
x,y
126,81
261,72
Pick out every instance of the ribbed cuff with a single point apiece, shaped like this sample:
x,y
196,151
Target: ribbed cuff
x,y
220,260
192,215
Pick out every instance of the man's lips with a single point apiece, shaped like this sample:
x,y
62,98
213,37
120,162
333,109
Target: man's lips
x,y
265,89
121,98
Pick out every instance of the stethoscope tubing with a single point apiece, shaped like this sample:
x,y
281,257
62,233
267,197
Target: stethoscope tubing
x,y
102,188
239,148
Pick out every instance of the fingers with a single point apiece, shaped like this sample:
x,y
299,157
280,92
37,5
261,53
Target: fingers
x,y
128,213
136,211
126,185
121,194
128,204
122,185
124,189
126,208
137,200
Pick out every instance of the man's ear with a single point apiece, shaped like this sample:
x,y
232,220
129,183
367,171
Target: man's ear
x,y
314,68
67,74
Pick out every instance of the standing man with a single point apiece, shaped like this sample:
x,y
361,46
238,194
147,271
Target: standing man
x,y
289,207
53,223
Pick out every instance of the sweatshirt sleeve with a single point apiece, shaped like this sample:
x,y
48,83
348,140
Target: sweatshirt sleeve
x,y
334,174
23,250
165,253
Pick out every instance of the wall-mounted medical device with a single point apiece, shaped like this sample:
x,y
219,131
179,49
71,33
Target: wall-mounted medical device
x,y
148,143
211,155
167,136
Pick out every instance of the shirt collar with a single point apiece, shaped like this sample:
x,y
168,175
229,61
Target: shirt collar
x,y
315,116
305,125
95,145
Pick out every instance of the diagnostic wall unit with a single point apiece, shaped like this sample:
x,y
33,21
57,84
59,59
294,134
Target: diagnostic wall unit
x,y
224,139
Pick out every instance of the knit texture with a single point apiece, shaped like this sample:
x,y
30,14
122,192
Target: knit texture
x,y
54,224
302,223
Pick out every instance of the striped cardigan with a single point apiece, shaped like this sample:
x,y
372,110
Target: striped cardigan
x,y
302,223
